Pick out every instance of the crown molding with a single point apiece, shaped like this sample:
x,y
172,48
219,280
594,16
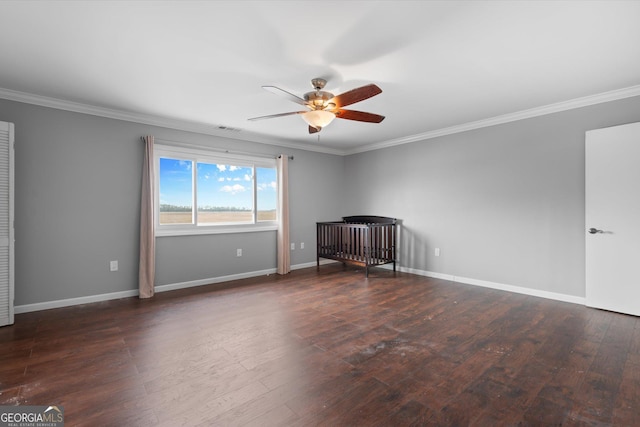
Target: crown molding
x,y
219,131
147,119
585,101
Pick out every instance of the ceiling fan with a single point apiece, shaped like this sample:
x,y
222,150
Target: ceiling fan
x,y
323,107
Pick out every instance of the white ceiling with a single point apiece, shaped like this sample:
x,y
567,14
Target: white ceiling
x,y
201,64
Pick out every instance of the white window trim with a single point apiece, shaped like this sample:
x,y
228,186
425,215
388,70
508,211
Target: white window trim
x,y
207,156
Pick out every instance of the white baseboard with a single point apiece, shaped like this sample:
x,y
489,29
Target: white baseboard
x,y
313,264
499,286
220,279
47,305
134,292
213,280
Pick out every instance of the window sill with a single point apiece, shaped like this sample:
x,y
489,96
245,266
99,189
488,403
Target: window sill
x,y
194,231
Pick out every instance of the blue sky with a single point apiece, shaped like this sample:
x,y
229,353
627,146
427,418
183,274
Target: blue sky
x,y
218,185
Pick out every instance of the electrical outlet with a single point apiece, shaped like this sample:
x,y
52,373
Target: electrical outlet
x,y
113,265
437,251
301,245
293,246
238,252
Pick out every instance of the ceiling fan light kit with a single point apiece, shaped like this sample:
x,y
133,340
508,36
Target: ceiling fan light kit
x,y
318,118
324,106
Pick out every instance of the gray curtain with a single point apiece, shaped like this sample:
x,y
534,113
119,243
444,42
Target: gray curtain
x,y
284,255
147,268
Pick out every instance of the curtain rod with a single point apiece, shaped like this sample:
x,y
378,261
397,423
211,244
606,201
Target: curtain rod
x,y
219,150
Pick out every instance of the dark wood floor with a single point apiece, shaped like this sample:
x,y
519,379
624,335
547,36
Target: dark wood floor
x,y
327,348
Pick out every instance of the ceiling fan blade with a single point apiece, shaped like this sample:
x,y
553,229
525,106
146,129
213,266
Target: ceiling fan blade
x,y
313,130
356,95
276,115
288,95
359,116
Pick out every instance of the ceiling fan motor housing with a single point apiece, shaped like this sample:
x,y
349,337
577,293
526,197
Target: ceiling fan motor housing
x,y
318,99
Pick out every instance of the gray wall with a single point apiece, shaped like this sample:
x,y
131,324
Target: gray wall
x,y
505,204
77,207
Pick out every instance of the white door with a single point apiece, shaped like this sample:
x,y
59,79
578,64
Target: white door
x,y
612,181
6,224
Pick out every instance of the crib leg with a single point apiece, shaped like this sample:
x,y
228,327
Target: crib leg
x,y
366,271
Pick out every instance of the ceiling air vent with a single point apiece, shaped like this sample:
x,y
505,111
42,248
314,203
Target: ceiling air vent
x,y
229,129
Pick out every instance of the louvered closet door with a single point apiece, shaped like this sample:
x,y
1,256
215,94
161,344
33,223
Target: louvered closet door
x,y
6,224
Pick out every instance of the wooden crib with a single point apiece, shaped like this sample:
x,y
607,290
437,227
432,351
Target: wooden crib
x,y
360,240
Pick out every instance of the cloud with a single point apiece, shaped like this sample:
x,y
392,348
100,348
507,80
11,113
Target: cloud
x,y
247,177
221,179
221,168
268,186
233,189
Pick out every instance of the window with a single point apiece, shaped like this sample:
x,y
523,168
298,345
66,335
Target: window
x,y
201,192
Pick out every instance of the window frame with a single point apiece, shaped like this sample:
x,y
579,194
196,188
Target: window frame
x,y
197,155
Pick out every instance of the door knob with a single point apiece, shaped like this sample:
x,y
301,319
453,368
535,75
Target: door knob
x,y
594,230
